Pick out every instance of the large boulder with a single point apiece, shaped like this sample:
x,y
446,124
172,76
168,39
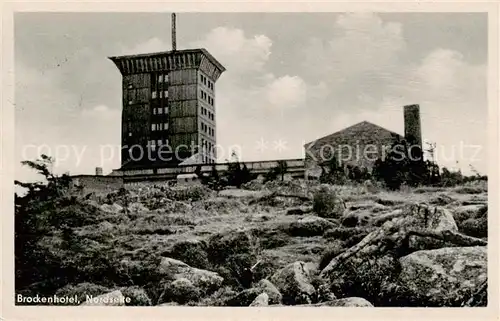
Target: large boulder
x,y
294,283
247,296
114,208
274,295
205,281
243,298
181,291
440,277
261,300
429,218
137,207
345,302
363,268
309,226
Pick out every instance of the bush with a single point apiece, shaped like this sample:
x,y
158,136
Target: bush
x,y
137,295
326,203
365,278
191,252
331,252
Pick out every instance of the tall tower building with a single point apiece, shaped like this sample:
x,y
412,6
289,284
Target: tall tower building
x,y
169,109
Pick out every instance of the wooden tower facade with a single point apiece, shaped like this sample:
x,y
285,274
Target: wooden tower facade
x,y
168,107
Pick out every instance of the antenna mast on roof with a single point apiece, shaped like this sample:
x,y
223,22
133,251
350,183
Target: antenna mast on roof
x,y
174,40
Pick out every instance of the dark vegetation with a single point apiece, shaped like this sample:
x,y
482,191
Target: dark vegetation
x,y
403,164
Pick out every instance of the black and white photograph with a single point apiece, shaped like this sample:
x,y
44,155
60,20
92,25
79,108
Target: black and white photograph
x,y
252,159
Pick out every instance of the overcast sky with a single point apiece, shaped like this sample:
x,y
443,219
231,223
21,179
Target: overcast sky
x,y
290,78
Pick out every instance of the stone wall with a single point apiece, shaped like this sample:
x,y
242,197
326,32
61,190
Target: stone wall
x,y
359,145
93,183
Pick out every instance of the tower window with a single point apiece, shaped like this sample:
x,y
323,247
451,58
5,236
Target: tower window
x,y
160,78
165,93
160,111
165,126
166,110
153,94
153,127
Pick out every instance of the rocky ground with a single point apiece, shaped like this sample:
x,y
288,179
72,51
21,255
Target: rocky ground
x,y
279,243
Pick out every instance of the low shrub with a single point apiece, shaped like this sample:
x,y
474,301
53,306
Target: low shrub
x,y
332,251
137,295
326,203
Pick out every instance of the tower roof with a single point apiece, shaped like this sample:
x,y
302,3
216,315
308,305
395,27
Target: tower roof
x,y
168,60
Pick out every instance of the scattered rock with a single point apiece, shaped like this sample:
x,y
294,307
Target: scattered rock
x,y
441,199
270,289
345,302
387,202
465,212
243,298
137,208
309,226
371,187
299,210
205,281
114,208
261,300
293,281
357,218
436,219
441,277
115,298
181,291
382,218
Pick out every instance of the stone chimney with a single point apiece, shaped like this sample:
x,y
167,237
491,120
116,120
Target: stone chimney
x,y
98,171
413,131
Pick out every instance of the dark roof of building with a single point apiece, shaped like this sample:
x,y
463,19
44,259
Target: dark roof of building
x,y
365,124
170,53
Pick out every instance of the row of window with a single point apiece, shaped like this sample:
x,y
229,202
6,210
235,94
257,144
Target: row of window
x,y
159,126
206,144
207,129
153,143
163,94
204,80
160,110
162,78
207,98
207,112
